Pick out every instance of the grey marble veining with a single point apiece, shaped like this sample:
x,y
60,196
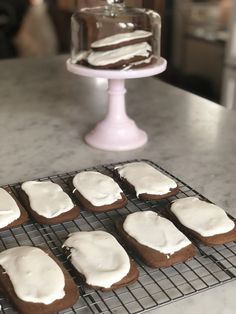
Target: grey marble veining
x,y
45,111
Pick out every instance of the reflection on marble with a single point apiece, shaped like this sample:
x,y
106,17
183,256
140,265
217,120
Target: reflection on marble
x,y
45,111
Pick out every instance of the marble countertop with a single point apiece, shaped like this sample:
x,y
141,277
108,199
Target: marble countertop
x,y
45,112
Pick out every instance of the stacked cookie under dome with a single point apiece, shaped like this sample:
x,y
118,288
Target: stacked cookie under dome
x,y
115,37
121,51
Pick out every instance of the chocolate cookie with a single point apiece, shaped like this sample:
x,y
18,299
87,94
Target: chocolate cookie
x,y
121,40
129,279
97,192
6,202
216,239
145,181
140,64
204,221
71,293
100,261
154,257
52,205
119,58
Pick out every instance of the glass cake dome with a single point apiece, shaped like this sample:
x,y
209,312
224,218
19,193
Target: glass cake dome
x,y
115,36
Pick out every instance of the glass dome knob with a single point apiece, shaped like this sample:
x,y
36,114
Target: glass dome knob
x,y
110,2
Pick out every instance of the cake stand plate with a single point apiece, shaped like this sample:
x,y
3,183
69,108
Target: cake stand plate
x,y
117,132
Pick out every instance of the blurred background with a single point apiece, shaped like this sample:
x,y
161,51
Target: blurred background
x,y
198,38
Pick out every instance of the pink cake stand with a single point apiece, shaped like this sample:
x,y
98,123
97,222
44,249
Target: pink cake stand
x,y
117,131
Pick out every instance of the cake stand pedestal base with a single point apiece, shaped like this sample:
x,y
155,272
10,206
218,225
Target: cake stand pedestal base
x,y
117,132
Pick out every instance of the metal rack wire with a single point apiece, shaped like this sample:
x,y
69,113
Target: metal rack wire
x,y
156,287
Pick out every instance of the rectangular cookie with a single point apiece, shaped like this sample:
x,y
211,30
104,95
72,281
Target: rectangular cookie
x,y
121,40
47,202
34,281
120,57
12,212
101,262
146,181
155,239
97,192
206,222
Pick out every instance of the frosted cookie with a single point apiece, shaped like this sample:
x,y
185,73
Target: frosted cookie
x,y
205,221
121,51
47,202
35,282
98,192
146,181
155,239
120,57
121,40
139,64
100,260
12,213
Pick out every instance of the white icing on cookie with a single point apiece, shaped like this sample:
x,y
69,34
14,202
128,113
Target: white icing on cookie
x,y
204,218
97,188
156,232
9,210
103,58
120,38
80,56
133,64
146,179
99,257
47,198
34,275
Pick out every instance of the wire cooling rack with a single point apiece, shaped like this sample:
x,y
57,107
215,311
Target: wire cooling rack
x,y
211,267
